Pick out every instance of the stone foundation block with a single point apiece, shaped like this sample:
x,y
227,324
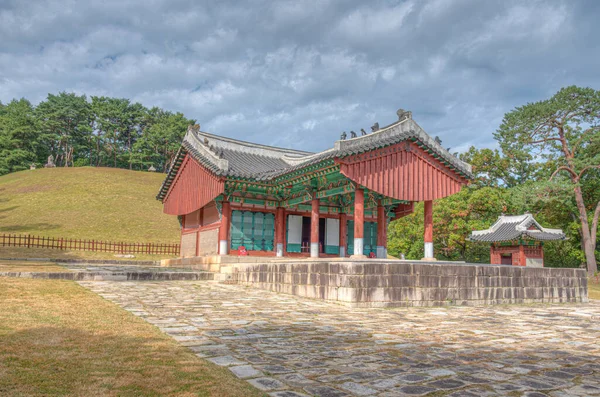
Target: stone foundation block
x,y
389,284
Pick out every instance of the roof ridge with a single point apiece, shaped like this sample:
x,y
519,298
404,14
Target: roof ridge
x,y
252,144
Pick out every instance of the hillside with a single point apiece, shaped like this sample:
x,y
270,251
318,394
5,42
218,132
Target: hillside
x,y
88,203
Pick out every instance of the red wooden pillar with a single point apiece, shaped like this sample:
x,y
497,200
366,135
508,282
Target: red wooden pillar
x,y
359,223
428,237
180,236
343,234
224,228
279,230
200,218
314,229
381,232
522,261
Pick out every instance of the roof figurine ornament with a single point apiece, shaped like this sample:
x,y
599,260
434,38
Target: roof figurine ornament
x,y
404,114
194,128
343,136
438,140
363,132
375,127
352,134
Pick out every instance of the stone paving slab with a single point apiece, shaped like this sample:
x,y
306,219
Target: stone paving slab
x,y
290,346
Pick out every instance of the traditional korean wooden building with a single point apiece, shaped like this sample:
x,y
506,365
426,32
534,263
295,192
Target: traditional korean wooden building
x,y
272,201
517,240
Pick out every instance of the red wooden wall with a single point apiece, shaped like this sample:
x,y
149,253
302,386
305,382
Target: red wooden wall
x,y
402,171
193,188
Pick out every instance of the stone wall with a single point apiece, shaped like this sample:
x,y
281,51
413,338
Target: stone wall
x,y
188,244
209,242
388,284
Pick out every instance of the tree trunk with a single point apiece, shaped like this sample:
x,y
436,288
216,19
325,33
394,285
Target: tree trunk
x,y
588,245
575,218
594,229
98,152
129,149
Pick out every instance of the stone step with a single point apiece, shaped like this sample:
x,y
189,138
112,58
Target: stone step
x,y
114,276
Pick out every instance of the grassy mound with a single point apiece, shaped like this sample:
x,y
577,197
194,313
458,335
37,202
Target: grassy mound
x,y
87,203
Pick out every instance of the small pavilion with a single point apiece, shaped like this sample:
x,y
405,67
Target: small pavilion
x,y
517,240
232,195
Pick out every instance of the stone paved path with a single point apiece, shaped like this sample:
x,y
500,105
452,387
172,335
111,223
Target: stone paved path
x,y
289,346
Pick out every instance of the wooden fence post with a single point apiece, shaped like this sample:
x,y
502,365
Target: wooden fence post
x,y
30,241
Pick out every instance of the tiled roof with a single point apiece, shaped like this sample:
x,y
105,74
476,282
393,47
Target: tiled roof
x,y
242,159
509,228
235,158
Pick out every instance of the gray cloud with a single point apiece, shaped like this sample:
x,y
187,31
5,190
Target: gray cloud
x,y
295,73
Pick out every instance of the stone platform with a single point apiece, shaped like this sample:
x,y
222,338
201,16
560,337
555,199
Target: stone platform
x,y
384,283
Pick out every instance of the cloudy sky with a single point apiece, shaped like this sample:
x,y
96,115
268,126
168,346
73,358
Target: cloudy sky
x,y
298,73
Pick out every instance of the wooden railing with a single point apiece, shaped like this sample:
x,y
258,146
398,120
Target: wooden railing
x,y
29,241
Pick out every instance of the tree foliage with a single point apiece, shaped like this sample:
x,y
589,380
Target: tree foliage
x,y
548,164
562,134
19,139
101,131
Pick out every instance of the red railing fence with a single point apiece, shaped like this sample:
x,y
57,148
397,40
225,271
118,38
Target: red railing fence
x,y
29,241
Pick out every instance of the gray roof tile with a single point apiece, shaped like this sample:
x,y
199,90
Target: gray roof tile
x,y
509,228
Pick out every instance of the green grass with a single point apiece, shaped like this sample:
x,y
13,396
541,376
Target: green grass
x,y
87,203
60,339
18,266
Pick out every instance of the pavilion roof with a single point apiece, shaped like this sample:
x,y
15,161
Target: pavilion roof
x,y
514,227
239,159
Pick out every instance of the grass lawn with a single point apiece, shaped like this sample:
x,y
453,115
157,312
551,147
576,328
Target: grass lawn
x,y
16,266
593,289
87,203
57,338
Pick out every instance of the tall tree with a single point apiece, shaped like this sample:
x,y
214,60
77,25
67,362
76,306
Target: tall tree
x,y
117,124
18,136
161,138
65,121
561,130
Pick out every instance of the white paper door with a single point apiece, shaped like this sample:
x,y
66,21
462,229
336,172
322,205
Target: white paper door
x,y
294,229
332,232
